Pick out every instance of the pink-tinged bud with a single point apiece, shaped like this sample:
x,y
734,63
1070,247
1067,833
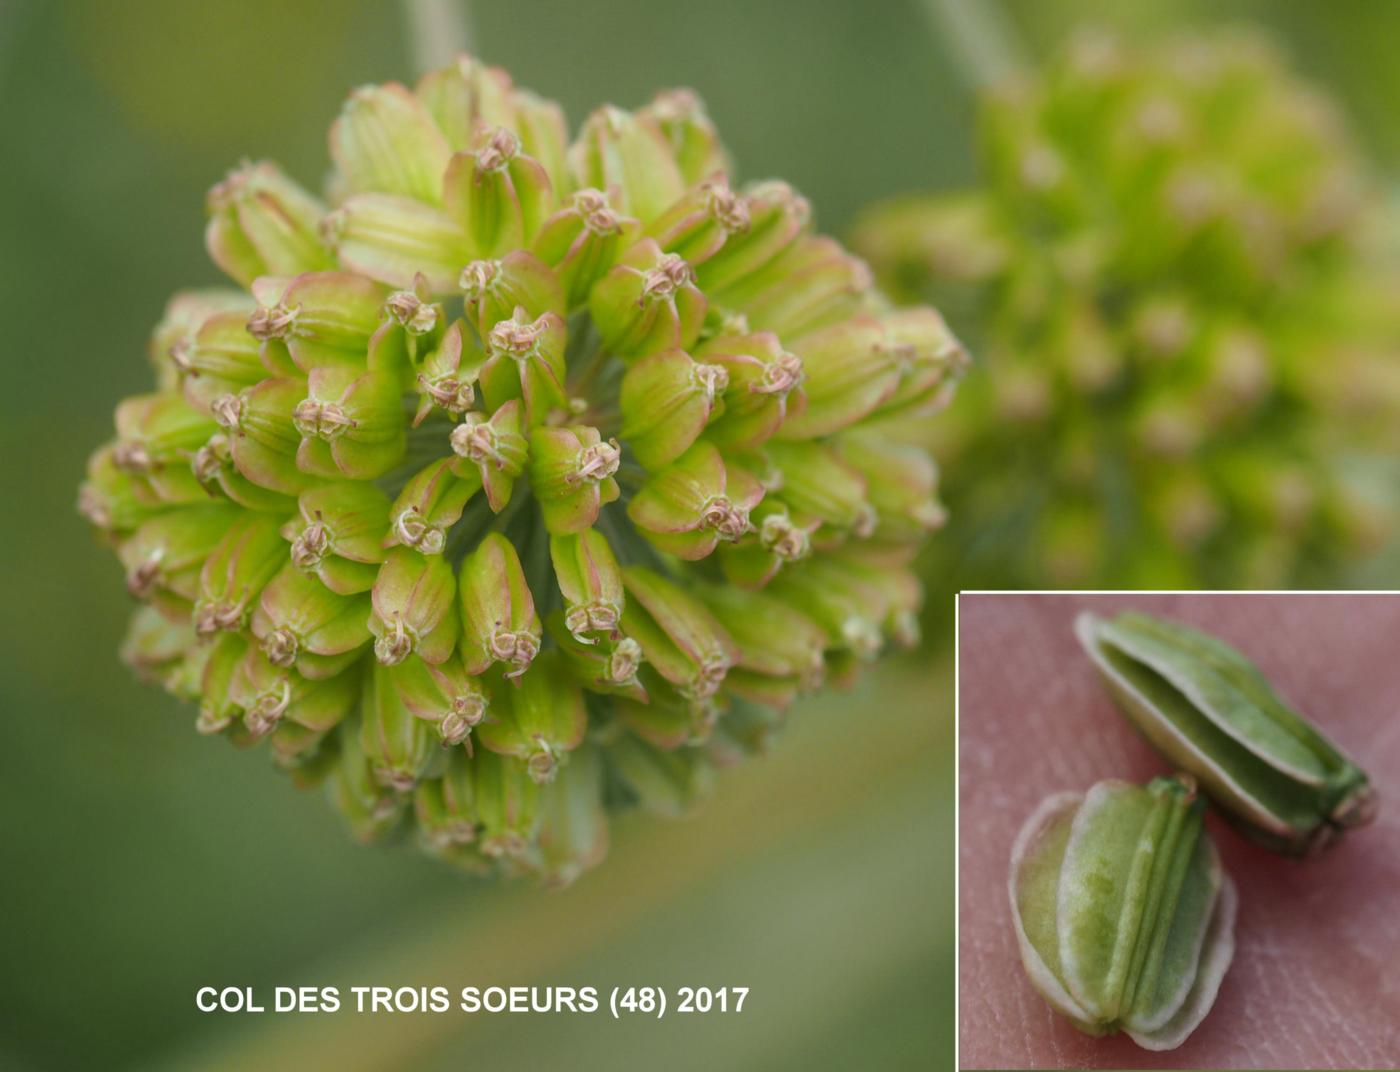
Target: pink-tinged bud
x,y
525,360
539,722
385,142
696,227
270,695
262,223
249,555
900,486
571,474
498,195
848,372
819,484
648,303
301,623
678,636
666,400
581,241
164,556
395,239
339,535
765,386
414,601
778,216
687,508
350,423
398,746
694,143
492,449
812,284
507,804
493,290
428,506
780,649
499,623
616,150
591,583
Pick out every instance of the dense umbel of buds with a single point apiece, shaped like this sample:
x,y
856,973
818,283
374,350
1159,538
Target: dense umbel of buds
x,y
525,478
1183,329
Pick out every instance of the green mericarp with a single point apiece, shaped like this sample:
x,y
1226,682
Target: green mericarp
x,y
1123,912
1210,711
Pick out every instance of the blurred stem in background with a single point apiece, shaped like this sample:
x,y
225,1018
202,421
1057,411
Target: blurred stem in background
x,y
977,38
438,32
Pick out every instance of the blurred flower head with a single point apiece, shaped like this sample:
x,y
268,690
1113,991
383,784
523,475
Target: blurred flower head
x,y
523,478
1167,269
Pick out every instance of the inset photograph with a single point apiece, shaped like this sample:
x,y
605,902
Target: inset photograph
x,y
1178,837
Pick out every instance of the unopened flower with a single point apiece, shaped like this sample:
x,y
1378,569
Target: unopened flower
x,y
453,566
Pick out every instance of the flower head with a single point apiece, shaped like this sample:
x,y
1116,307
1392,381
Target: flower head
x,y
1165,270
476,495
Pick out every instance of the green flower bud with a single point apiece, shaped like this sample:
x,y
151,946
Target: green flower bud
x,y
414,608
428,506
678,636
156,434
234,574
164,557
185,313
573,831
667,399
396,239
497,193
448,376
300,623
648,303
692,138
268,694
386,142
696,227
398,746
220,357
370,808
444,694
493,290
763,388
608,666
687,508
525,359
262,439
323,319
262,223
582,240
155,647
850,369
591,583
812,284
112,498
350,425
499,623
779,649
626,152
538,722
445,807
571,474
340,535
900,485
493,450
778,216
507,803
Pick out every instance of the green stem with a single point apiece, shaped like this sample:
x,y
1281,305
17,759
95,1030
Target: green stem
x,y
978,38
438,31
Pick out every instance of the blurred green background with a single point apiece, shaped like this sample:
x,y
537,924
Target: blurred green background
x,y
141,861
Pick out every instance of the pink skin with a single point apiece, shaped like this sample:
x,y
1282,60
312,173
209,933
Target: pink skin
x,y
1314,983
